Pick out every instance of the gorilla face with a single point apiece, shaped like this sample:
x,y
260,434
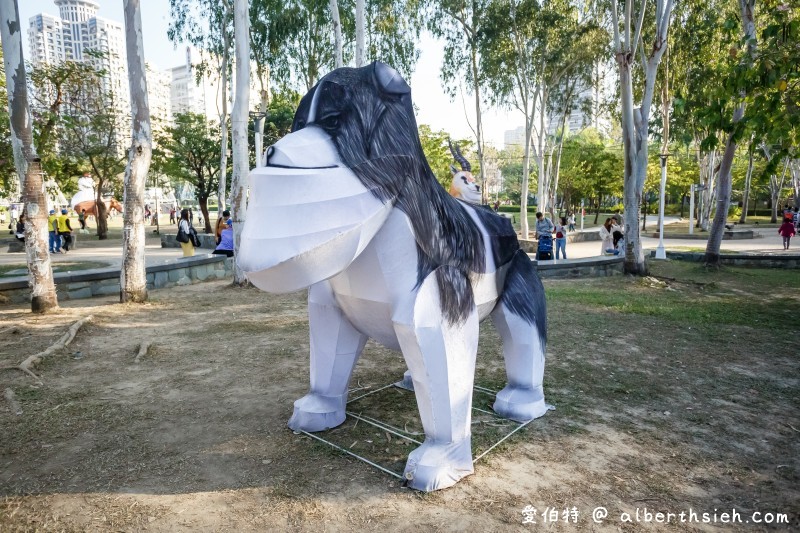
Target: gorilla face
x,y
310,215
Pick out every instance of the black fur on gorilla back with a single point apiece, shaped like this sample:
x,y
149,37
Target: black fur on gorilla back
x,y
373,127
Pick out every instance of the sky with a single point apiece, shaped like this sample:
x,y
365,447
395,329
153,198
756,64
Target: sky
x,y
434,107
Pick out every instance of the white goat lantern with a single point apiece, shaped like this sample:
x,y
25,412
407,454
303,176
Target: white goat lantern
x,y
464,187
348,206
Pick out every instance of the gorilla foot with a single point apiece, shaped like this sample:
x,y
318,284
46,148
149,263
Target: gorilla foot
x,y
314,412
406,383
520,404
435,465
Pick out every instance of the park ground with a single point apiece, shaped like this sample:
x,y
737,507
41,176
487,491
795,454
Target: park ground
x,y
672,393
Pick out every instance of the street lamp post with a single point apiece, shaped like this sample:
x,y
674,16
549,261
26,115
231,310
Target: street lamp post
x,y
660,252
258,118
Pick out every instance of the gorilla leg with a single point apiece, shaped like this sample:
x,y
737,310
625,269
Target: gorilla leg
x,y
521,320
441,359
335,348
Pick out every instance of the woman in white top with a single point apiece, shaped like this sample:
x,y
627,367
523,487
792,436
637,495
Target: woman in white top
x,y
185,226
607,236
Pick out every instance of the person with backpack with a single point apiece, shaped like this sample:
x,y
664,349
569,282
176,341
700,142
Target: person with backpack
x,y
561,237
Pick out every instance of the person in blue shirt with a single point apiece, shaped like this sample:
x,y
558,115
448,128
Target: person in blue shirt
x,y
225,246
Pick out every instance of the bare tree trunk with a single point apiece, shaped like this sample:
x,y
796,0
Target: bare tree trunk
x,y
241,105
635,120
102,211
263,80
526,169
133,278
360,23
747,182
541,140
337,33
775,188
712,256
709,194
223,115
27,163
479,126
795,169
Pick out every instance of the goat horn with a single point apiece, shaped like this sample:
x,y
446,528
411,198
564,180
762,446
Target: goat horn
x,y
458,157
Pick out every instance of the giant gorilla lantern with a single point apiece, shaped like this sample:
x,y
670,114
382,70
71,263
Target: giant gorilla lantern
x,y
348,206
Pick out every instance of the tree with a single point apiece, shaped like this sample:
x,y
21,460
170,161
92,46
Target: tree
x,y
591,170
188,151
54,86
437,152
93,130
636,120
459,23
528,49
239,120
43,289
207,24
761,75
8,173
337,34
133,278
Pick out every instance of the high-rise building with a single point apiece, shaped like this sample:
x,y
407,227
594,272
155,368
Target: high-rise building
x,y
159,98
73,35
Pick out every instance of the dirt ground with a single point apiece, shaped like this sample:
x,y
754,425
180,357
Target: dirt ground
x,y
651,413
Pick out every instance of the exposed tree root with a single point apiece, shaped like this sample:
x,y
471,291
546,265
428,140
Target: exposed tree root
x,y
62,343
143,349
12,402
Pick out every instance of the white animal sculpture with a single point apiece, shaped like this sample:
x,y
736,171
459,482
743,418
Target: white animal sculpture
x,y
348,206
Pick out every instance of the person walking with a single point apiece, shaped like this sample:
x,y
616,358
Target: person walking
x,y
64,230
787,232
561,238
172,215
543,226
52,231
572,222
82,219
185,228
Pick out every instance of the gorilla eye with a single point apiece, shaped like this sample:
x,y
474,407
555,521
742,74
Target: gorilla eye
x,y
330,122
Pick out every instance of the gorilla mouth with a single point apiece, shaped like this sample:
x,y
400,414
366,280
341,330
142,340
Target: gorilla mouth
x,y
308,216
303,168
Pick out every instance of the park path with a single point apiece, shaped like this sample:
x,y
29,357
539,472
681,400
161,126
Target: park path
x,y
767,241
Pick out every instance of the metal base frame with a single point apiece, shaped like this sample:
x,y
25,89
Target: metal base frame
x,y
398,432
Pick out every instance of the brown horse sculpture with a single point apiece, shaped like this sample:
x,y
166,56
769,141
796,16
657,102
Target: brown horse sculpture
x,y
91,207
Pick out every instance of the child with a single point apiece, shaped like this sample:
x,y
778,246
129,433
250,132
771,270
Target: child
x,y
561,238
787,232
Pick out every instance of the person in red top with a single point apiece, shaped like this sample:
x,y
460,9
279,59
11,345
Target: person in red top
x,y
787,232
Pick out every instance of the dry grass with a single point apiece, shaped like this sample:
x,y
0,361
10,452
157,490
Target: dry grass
x,y
668,396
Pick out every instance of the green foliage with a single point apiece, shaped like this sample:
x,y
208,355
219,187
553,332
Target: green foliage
x,y
189,151
437,152
532,45
8,172
459,23
61,92
764,76
280,115
590,168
